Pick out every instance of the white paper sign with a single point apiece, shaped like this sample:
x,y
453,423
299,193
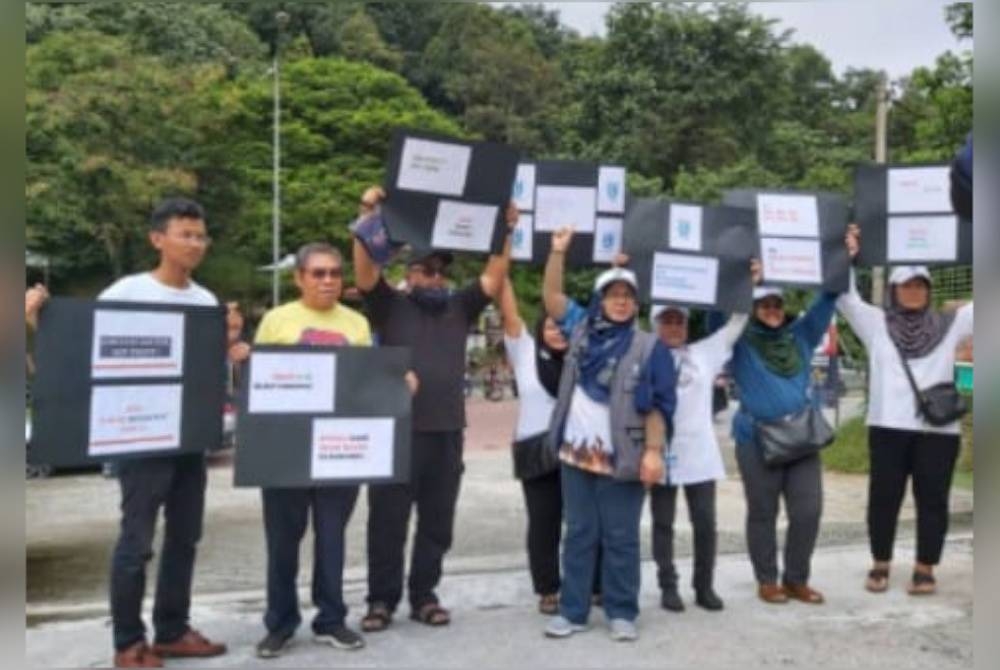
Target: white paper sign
x,y
522,238
683,278
464,226
524,187
128,419
685,227
786,260
292,383
919,189
137,344
922,238
611,189
558,206
607,239
787,215
351,448
433,167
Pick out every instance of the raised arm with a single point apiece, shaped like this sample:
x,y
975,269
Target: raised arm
x,y
863,317
366,271
492,279
552,284
512,322
34,298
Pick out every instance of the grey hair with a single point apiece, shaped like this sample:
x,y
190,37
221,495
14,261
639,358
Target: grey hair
x,y
307,250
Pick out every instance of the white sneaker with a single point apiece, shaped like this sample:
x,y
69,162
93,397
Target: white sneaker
x,y
623,630
560,626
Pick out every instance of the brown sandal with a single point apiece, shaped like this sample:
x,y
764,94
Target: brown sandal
x,y
803,593
921,584
878,580
431,614
549,604
377,619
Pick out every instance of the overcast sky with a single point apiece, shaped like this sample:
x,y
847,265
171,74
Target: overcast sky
x,y
894,35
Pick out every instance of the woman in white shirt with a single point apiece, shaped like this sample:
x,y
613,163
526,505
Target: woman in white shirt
x,y
901,443
537,359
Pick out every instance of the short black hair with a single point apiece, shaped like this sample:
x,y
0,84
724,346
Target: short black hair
x,y
306,251
175,208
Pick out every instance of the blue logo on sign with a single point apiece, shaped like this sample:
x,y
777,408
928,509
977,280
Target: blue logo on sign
x,y
608,240
518,236
613,190
684,228
518,188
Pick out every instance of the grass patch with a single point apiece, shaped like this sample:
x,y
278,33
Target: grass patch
x,y
849,451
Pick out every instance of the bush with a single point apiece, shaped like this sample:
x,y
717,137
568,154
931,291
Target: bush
x,y
849,451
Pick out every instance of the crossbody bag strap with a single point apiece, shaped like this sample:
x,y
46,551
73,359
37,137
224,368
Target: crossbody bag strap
x,y
909,375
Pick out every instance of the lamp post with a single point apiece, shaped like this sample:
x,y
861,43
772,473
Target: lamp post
x,y
281,20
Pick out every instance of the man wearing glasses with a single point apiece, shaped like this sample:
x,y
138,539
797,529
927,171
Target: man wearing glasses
x,y
434,322
316,318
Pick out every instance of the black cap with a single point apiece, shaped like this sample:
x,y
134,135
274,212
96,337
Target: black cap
x,y
423,257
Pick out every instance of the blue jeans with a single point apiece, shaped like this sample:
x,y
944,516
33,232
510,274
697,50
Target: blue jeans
x,y
286,515
601,513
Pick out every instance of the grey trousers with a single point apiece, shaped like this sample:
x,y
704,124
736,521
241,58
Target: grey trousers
x,y
801,485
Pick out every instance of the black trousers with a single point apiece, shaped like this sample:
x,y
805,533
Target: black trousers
x,y
701,510
176,484
435,476
286,516
543,500
929,460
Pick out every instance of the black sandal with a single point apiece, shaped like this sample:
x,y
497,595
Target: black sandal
x,y
921,584
878,580
431,614
377,619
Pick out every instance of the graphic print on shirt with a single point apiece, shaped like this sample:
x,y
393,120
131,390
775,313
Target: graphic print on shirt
x,y
319,338
587,438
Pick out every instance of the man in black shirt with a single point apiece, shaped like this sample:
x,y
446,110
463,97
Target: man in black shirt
x,y
434,322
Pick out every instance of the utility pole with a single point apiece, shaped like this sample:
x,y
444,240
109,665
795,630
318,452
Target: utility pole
x,y
881,149
280,19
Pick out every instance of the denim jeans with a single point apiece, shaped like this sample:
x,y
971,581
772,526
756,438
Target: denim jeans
x,y
177,484
600,512
286,515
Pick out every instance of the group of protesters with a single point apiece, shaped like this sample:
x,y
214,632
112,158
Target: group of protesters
x,y
608,411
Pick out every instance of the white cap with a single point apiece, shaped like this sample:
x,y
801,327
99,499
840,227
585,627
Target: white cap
x,y
761,292
657,310
608,277
904,273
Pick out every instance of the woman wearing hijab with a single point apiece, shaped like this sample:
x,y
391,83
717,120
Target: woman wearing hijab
x,y
615,402
537,361
770,365
902,444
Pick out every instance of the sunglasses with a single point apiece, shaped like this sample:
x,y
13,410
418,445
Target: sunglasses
x,y
323,273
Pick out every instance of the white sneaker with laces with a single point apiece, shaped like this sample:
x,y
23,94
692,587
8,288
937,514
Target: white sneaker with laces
x,y
623,630
560,626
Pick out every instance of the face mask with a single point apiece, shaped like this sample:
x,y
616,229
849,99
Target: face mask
x,y
433,300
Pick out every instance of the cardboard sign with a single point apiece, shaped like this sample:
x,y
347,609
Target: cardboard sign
x,y
690,254
800,239
906,216
449,194
356,427
588,197
119,380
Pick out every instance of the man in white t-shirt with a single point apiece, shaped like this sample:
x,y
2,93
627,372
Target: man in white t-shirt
x,y
175,483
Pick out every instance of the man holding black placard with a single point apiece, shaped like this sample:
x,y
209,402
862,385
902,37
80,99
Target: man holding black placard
x,y
434,321
174,483
316,318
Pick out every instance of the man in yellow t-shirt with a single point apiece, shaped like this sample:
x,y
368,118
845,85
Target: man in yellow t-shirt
x,y
316,318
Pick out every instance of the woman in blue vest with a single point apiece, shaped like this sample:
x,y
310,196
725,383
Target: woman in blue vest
x,y
615,402
771,366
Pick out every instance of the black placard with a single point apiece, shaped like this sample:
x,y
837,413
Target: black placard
x,y
871,212
832,224
275,450
63,384
727,234
410,214
581,174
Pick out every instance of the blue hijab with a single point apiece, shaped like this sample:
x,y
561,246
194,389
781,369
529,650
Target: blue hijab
x,y
606,344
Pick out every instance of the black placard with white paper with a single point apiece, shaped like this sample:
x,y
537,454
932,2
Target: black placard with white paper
x,y
120,380
800,236
323,416
589,197
690,254
906,216
447,194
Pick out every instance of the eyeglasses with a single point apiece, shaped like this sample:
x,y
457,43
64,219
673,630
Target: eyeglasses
x,y
320,274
